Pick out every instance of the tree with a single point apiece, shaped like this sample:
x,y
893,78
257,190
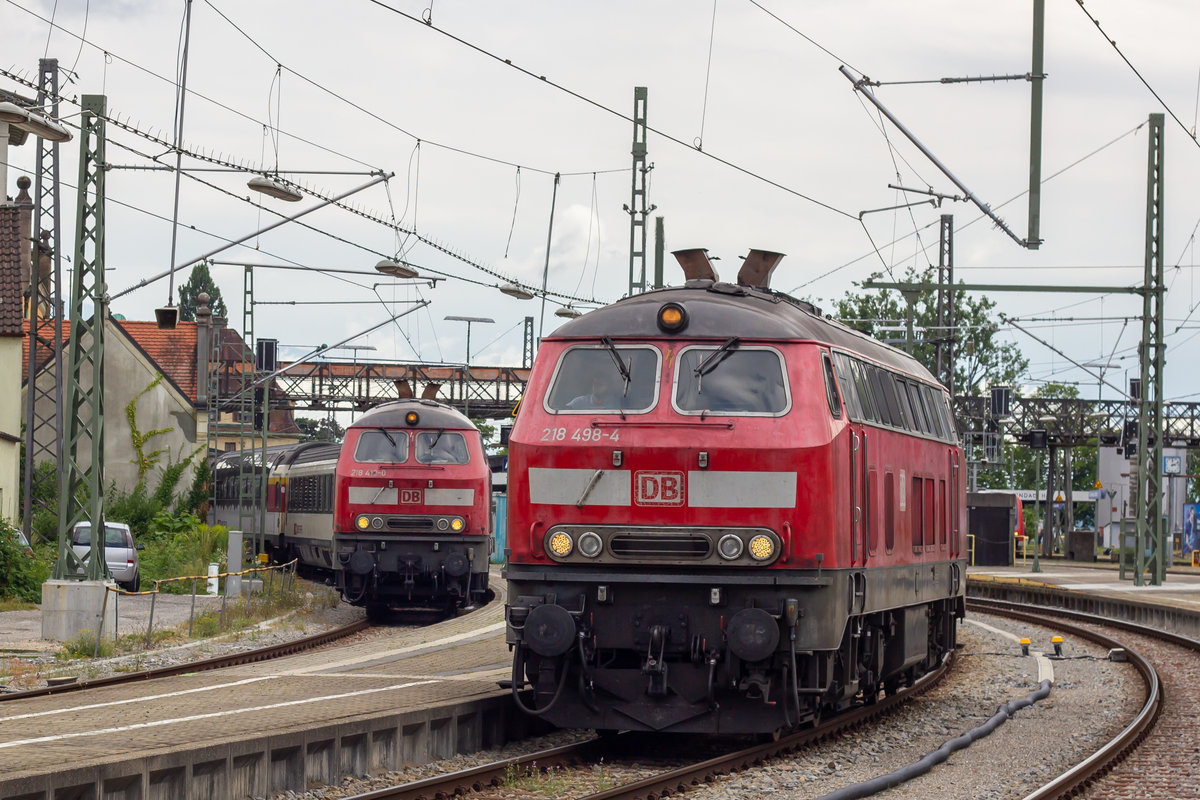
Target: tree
x,y
200,281
320,430
980,359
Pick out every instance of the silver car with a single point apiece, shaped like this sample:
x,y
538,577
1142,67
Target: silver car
x,y
120,553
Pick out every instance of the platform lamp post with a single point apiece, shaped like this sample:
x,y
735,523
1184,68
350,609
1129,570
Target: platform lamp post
x,y
467,365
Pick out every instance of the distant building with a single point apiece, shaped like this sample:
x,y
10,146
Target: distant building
x,y
136,353
16,219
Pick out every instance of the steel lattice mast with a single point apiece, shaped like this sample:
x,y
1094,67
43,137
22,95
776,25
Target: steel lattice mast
x,y
44,429
81,486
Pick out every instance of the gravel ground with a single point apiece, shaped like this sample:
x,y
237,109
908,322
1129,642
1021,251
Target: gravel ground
x,y
1036,745
26,661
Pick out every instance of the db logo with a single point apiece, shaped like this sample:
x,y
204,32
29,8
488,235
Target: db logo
x,y
412,496
659,488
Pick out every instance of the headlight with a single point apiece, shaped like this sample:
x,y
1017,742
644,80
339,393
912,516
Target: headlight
x,y
761,548
561,544
457,524
377,522
443,524
730,546
362,523
590,544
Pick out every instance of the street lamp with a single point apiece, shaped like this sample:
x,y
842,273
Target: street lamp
x,y
516,290
397,269
467,365
568,312
272,187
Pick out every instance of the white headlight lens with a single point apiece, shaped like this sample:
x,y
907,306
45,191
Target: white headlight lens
x,y
590,544
730,546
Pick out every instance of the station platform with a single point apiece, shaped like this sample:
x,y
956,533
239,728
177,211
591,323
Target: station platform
x,y
257,729
1181,589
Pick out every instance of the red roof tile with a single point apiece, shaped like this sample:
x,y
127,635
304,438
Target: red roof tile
x,y
11,291
173,351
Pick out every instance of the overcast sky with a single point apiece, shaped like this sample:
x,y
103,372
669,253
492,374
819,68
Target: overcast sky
x,y
757,141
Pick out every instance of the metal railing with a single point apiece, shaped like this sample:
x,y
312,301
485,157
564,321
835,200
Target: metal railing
x,y
287,578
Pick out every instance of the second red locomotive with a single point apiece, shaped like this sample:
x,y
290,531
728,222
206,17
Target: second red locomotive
x,y
728,514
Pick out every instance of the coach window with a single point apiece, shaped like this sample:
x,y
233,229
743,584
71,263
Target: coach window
x,y
439,447
845,380
831,393
732,381
872,504
916,515
889,511
381,447
621,379
863,386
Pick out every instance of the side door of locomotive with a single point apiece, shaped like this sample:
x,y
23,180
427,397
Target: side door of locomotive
x,y
857,442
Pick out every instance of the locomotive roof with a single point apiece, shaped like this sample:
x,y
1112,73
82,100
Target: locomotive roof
x,y
720,310
277,454
433,415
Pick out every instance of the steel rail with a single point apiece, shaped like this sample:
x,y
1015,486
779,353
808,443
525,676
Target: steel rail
x,y
1116,749
493,774
216,662
679,780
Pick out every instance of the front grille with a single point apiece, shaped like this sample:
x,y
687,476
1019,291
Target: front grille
x,y
660,545
410,523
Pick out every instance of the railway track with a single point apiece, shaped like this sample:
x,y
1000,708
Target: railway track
x,y
216,662
659,785
1100,775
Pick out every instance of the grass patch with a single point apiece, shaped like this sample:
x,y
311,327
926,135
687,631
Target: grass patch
x,y
19,673
557,781
16,604
84,646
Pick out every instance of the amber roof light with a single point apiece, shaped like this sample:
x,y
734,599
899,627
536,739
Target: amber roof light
x,y
412,418
672,318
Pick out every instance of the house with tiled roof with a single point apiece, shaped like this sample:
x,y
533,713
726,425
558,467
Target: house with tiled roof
x,y
16,219
153,380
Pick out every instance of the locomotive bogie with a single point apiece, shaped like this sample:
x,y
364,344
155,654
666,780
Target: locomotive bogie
x,y
690,653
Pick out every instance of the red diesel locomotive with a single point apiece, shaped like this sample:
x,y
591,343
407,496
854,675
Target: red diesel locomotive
x,y
400,512
728,514
412,514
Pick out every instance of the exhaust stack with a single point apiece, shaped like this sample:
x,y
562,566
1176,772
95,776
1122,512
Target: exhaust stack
x,y
757,268
695,264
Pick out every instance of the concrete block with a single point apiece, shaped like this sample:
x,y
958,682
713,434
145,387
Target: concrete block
x,y
384,755
69,607
209,779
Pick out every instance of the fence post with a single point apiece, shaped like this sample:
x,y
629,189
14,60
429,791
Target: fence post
x,y
100,627
150,625
223,598
192,616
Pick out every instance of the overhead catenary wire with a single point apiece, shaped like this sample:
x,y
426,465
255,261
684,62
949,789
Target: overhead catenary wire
x,y
612,111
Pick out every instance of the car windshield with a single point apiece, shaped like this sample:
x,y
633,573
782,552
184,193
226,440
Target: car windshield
x,y
439,447
737,380
382,447
588,379
113,537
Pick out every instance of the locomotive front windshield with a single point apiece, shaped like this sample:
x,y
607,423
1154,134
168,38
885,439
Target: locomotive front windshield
x,y
439,447
602,378
730,380
381,447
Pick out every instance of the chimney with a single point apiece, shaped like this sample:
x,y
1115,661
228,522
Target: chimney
x,y
695,264
203,349
25,225
757,268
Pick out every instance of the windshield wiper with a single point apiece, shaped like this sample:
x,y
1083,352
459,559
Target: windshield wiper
x,y
436,436
384,431
714,359
621,368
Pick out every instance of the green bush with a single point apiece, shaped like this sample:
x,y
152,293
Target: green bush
x,y
187,550
21,574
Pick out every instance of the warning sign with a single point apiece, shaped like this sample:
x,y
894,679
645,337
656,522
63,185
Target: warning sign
x,y
1058,498
1098,485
